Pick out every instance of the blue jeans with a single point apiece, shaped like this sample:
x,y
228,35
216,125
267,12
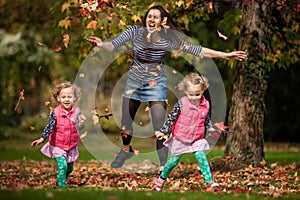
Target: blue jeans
x,y
145,91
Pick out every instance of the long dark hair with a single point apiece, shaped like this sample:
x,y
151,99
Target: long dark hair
x,y
171,33
163,14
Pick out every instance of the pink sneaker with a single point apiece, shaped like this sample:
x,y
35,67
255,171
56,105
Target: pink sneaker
x,y
212,186
158,183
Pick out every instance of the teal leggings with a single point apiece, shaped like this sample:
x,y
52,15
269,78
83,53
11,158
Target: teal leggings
x,y
63,170
201,158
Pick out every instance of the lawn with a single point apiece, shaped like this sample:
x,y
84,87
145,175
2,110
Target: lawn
x,y
27,174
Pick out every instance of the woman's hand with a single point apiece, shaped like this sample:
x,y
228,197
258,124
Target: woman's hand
x,y
37,142
237,55
95,41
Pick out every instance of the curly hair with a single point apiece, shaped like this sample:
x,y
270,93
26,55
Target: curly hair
x,y
63,85
194,79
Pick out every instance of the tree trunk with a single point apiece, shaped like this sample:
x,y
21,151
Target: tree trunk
x,y
245,140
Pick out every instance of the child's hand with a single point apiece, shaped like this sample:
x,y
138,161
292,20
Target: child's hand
x,y
37,142
159,135
81,121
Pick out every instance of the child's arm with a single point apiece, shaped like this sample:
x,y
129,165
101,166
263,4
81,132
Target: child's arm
x,y
170,121
47,130
80,120
37,142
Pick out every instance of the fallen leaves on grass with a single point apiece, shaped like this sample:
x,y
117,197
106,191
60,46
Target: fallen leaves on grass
x,y
273,180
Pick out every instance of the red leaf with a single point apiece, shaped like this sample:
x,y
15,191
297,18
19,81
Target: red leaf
x,y
56,48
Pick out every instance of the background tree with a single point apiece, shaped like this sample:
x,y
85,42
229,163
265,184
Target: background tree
x,y
259,36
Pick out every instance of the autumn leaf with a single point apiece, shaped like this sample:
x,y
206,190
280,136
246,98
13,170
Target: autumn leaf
x,y
64,23
92,25
41,44
136,18
147,109
56,48
221,35
179,50
180,3
66,40
31,128
65,7
109,3
129,92
152,83
83,135
270,182
21,97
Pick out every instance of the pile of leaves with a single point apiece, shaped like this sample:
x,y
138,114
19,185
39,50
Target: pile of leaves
x,y
270,179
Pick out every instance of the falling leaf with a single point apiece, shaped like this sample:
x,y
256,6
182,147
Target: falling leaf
x,y
167,102
21,97
41,44
56,48
81,75
179,50
83,135
95,119
147,109
210,5
164,23
152,83
153,73
263,162
174,71
221,35
39,68
32,128
129,92
66,40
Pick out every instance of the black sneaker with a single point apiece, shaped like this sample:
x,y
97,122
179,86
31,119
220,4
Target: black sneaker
x,y
121,158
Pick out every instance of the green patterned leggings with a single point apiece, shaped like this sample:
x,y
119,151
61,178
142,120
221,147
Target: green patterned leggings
x,y
201,158
63,170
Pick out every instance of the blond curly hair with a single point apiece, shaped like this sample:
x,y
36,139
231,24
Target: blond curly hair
x,y
63,85
194,79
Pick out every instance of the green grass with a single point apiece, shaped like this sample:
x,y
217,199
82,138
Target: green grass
x,y
87,194
16,148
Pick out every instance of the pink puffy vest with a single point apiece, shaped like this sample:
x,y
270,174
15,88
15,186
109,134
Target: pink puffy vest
x,y
65,134
190,124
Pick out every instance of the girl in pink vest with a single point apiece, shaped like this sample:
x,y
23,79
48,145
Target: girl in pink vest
x,y
62,130
188,121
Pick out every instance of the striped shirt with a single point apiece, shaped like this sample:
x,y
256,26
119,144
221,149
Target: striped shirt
x,y
148,63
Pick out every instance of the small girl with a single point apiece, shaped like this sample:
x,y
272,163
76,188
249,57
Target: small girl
x,y
188,120
62,130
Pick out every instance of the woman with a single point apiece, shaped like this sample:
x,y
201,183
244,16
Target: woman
x,y
147,74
